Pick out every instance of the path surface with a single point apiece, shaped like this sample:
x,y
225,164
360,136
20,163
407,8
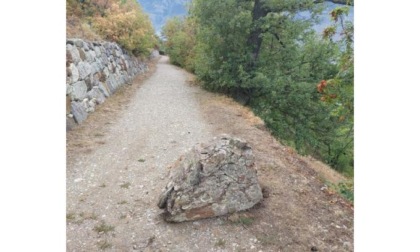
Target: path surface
x,y
112,190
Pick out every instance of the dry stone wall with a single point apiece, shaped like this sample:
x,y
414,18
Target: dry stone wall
x,y
95,70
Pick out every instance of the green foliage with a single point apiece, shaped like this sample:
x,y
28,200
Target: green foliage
x,y
264,54
180,40
247,221
339,92
345,189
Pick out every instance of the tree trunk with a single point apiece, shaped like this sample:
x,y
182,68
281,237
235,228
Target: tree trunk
x,y
255,40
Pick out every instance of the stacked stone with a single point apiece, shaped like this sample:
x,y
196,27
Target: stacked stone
x,y
95,70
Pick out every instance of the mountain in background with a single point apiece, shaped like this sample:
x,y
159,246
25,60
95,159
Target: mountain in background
x,y
160,10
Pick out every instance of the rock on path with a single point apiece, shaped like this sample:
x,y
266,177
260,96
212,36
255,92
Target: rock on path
x,y
212,179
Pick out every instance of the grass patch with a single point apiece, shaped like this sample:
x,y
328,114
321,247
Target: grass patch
x,y
91,216
126,185
122,202
103,228
104,245
247,221
80,218
267,240
243,219
220,243
345,189
70,216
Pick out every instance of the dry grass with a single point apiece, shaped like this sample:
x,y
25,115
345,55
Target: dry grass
x,y
80,218
104,245
70,217
325,171
104,228
126,185
296,207
79,29
220,243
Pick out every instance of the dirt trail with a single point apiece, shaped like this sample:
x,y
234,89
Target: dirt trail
x,y
117,166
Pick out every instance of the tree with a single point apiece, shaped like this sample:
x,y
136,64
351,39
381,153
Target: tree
x,y
338,91
127,24
180,40
265,55
123,22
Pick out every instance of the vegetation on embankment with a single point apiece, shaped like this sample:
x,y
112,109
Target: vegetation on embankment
x,y
346,2
267,56
120,21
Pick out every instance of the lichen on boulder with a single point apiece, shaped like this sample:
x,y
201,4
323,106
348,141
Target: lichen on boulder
x,y
211,180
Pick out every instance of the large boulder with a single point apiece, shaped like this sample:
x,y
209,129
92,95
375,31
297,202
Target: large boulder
x,y
211,180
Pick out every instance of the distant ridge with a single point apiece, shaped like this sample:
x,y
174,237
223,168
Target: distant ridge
x,y
160,10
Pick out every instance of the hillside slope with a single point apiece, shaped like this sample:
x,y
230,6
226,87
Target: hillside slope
x,y
117,165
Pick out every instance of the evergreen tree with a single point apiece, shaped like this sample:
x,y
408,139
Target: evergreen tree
x,y
266,55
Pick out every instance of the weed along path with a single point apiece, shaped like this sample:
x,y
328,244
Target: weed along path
x,y
117,165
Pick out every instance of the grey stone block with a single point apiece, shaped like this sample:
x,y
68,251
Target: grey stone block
x,y
104,89
78,91
96,93
84,69
78,111
73,53
74,73
97,51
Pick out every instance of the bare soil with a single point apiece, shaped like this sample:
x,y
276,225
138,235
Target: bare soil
x,y
117,165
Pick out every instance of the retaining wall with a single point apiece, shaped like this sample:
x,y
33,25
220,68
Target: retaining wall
x,y
95,70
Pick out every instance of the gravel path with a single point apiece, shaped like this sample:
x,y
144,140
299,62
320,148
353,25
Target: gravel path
x,y
112,191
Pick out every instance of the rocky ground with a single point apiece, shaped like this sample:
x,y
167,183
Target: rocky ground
x,y
117,165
